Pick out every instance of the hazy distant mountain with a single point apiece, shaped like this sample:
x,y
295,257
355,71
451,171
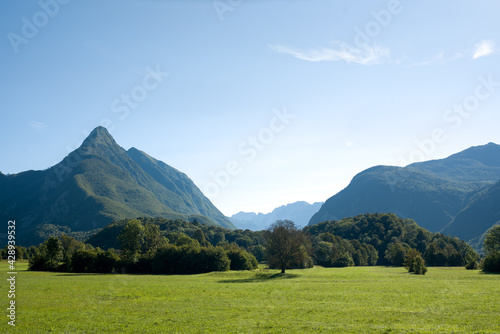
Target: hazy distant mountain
x,y
298,212
432,193
98,183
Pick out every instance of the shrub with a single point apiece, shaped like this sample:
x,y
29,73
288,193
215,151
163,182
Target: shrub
x,y
189,259
472,265
419,265
409,261
342,260
241,260
214,259
491,263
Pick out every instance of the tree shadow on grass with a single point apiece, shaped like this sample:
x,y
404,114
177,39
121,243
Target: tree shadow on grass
x,y
489,273
261,277
86,274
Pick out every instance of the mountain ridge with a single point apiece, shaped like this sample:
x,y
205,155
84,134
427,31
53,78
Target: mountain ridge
x,y
432,193
299,212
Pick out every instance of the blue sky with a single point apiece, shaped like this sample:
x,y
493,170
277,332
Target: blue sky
x,y
261,103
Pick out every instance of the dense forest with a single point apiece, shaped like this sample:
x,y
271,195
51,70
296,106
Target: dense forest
x,y
158,245
388,236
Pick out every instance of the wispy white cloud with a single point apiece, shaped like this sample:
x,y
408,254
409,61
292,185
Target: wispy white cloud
x,y
484,48
367,55
37,126
438,58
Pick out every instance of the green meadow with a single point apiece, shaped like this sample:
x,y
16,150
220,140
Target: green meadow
x,y
318,300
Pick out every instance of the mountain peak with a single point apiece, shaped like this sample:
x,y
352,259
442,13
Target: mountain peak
x,y
100,142
99,135
488,154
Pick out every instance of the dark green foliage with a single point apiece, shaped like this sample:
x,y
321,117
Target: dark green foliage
x,y
93,261
32,251
491,262
472,265
146,250
259,252
384,231
184,240
139,265
105,262
54,249
132,239
333,251
200,237
446,256
492,240
69,247
396,253
342,259
287,246
174,229
419,267
83,261
189,260
20,252
409,260
153,239
44,231
48,256
39,263
240,259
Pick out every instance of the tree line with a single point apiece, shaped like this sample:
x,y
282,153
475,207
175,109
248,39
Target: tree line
x,y
155,245
143,249
387,238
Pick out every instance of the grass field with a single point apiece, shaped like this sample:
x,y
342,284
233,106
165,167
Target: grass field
x,y
318,300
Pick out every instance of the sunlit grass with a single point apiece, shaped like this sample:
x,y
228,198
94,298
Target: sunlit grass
x,y
348,300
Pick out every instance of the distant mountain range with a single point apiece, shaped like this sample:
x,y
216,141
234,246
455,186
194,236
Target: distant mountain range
x,y
299,212
459,195
96,184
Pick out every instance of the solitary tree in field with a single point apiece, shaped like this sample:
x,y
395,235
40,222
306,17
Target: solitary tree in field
x,y
287,246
